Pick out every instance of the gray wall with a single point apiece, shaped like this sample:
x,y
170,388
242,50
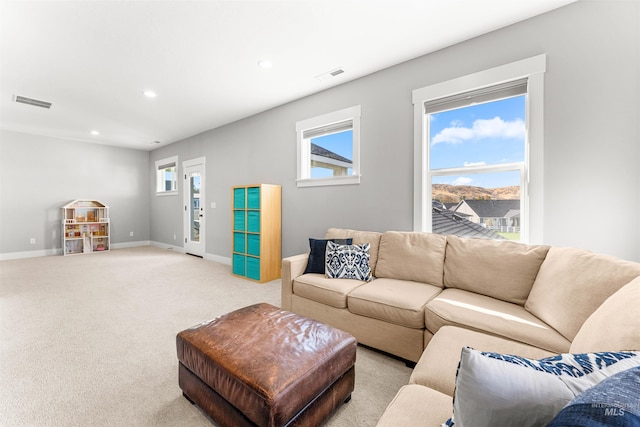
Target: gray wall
x,y
591,148
39,175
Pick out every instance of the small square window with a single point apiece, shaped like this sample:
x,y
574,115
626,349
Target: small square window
x,y
329,149
167,176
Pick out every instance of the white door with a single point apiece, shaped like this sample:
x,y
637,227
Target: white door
x,y
194,204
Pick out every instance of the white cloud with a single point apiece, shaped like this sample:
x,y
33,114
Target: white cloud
x,y
475,163
463,180
481,128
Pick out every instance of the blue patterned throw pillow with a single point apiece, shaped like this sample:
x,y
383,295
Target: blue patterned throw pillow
x,y
348,261
613,402
448,423
495,389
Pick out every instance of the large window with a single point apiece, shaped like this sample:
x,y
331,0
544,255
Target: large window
x,y
474,155
329,149
167,176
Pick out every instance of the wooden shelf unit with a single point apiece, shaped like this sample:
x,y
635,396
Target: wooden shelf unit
x,y
256,231
85,227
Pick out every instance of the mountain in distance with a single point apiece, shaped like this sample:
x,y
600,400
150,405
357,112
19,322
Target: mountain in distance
x,y
447,193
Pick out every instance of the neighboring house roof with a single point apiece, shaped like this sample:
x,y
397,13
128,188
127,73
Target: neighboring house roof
x,y
445,222
513,214
492,208
323,152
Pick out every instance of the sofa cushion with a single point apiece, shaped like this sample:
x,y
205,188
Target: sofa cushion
x,y
500,269
348,261
615,325
481,313
494,389
573,283
359,238
415,405
437,365
397,301
411,256
318,288
317,251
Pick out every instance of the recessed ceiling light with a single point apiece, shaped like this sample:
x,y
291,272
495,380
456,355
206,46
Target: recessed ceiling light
x,y
149,94
265,63
95,133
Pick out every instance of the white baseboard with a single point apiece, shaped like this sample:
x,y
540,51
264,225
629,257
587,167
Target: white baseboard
x,y
30,254
130,244
218,258
58,251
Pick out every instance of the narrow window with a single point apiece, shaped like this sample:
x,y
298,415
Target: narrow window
x,y
328,149
476,143
478,148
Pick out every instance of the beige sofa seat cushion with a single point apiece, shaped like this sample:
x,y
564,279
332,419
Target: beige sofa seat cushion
x,y
396,301
417,406
615,325
573,283
414,256
317,287
481,313
438,364
500,269
359,238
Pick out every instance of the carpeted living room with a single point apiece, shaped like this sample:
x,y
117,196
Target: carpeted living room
x,y
91,340
320,212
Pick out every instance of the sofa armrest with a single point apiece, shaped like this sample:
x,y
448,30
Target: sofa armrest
x,y
292,267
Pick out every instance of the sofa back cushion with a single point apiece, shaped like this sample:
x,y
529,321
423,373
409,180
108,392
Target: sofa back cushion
x,y
615,325
411,256
497,268
572,283
359,238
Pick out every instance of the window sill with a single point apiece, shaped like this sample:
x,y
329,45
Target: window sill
x,y
322,182
166,193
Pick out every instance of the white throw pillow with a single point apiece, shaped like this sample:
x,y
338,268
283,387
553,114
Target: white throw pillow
x,y
504,390
348,261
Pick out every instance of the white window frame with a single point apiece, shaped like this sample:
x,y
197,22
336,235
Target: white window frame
x,y
532,176
161,165
304,148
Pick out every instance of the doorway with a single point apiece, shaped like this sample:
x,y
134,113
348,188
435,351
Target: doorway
x,y
194,204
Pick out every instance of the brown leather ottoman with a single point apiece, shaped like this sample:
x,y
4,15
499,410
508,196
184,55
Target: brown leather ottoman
x,y
264,366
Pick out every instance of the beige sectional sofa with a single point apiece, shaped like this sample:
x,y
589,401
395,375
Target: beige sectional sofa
x,y
433,295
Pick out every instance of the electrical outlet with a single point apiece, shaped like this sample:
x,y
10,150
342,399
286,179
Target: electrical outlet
x,y
33,241
131,234
174,237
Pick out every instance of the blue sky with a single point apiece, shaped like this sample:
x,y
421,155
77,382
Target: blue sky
x,y
482,134
340,143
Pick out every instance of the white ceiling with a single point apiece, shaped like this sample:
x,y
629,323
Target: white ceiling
x,y
93,59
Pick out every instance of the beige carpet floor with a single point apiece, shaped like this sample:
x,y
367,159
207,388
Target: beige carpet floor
x,y
89,340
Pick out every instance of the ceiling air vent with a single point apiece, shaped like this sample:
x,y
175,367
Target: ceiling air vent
x,y
330,74
31,101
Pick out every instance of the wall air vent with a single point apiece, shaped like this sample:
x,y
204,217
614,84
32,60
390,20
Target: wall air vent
x,y
330,74
31,101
